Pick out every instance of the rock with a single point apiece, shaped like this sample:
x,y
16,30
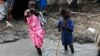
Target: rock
x,y
5,36
10,38
12,34
88,36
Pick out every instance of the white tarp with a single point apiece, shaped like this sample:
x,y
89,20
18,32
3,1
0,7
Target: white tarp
x,y
2,11
92,30
69,1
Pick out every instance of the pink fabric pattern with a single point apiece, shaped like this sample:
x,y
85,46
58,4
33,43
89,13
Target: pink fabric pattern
x,y
36,32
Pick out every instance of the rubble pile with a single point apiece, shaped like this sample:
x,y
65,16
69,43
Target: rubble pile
x,y
90,7
82,24
9,34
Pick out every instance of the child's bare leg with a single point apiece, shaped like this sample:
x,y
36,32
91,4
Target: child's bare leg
x,y
39,51
72,48
66,48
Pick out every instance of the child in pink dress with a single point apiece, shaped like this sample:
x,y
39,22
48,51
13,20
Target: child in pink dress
x,y
36,32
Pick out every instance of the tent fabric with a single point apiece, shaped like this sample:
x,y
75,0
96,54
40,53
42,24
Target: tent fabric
x,y
42,4
2,12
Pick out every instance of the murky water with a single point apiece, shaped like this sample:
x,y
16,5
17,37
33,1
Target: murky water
x,y
50,49
25,48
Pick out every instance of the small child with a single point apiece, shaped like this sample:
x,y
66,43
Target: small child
x,y
66,27
10,4
36,32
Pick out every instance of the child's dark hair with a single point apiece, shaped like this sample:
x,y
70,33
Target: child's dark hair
x,y
64,11
32,4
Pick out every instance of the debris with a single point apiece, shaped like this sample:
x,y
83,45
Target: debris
x,y
91,30
9,24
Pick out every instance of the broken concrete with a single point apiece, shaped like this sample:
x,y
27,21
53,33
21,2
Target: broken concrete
x,y
10,34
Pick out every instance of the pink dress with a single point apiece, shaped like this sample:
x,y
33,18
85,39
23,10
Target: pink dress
x,y
36,32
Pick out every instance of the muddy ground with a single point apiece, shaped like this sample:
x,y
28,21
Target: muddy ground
x,y
16,42
25,47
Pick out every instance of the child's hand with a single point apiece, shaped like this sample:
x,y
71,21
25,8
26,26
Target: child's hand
x,y
63,26
26,12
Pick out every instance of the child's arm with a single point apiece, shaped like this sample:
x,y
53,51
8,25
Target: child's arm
x,y
59,26
70,25
26,15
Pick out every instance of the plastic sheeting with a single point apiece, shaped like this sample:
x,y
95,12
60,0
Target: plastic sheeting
x,y
2,11
43,4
